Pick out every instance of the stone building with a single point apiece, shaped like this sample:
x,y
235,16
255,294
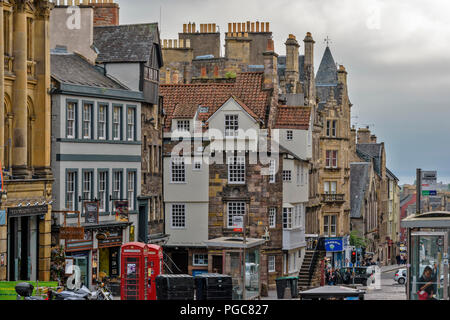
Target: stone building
x,y
334,183
272,213
25,205
196,55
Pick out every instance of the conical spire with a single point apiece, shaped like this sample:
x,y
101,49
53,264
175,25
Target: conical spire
x,y
327,73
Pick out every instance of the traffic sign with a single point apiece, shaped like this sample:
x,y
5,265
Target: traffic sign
x,y
429,192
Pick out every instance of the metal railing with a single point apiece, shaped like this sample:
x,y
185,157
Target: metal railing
x,y
320,246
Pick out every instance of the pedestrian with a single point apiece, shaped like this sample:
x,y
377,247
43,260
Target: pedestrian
x,y
428,284
398,259
348,276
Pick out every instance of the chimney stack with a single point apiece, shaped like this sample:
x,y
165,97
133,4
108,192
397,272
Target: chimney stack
x,y
292,67
373,139
364,135
105,13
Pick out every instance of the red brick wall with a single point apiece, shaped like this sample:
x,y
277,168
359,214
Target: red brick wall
x,y
106,14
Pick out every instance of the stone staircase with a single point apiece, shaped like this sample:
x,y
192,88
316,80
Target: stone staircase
x,y
303,282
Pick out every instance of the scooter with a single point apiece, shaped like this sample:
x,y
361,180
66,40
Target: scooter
x,y
80,294
25,290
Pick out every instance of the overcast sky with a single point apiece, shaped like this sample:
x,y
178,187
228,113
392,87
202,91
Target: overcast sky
x,y
395,51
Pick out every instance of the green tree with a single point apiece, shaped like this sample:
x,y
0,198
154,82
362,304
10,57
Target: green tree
x,y
356,240
230,75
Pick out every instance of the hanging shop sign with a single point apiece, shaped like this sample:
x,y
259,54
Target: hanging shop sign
x,y
121,210
91,212
71,233
86,243
110,239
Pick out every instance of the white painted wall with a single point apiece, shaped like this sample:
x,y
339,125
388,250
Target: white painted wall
x,y
196,230
294,192
301,144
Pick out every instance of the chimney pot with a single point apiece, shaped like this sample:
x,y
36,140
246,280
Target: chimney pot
x,y
253,27
267,26
262,26
234,27
257,26
184,28
229,27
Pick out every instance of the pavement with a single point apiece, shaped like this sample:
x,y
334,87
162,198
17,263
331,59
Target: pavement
x,y
387,290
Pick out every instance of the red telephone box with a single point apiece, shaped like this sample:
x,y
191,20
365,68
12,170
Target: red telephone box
x,y
155,268
134,265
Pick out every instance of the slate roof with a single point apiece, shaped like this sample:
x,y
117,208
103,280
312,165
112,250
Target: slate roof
x,y
125,43
248,88
301,67
359,183
369,151
70,68
391,174
327,73
290,117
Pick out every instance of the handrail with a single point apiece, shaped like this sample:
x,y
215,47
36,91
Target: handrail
x,y
312,264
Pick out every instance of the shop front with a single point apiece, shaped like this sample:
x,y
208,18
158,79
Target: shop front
x,y
24,241
428,245
335,252
241,261
98,254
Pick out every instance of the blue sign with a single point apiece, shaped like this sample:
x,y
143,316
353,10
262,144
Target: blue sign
x,y
197,272
333,244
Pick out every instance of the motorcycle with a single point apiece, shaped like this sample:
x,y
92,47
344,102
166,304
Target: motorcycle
x,y
103,292
25,290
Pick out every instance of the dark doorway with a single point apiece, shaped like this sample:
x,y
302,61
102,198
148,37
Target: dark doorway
x,y
217,264
19,249
180,259
143,224
24,254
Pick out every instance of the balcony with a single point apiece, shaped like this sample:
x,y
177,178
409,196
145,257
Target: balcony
x,y
333,197
293,238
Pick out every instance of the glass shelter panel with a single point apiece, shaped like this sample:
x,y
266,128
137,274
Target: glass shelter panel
x,y
427,278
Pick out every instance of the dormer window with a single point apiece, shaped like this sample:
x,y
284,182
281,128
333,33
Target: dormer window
x,y
231,125
183,125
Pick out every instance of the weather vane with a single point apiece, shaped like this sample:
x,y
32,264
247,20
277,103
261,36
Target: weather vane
x,y
327,40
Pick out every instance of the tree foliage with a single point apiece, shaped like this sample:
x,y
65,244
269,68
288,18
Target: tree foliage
x,y
356,240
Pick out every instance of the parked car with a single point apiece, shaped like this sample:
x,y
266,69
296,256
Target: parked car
x,y
400,276
361,275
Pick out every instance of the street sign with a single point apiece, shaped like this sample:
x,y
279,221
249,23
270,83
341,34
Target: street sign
x,y
429,192
333,244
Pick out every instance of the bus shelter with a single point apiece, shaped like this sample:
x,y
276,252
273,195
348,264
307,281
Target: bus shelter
x,y
241,261
428,246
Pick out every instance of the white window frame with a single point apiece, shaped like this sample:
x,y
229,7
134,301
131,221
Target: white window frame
x,y
116,129
272,171
231,125
117,184
200,257
71,190
328,223
183,126
131,183
178,216
197,166
71,120
271,264
287,175
102,189
87,121
235,208
289,135
87,184
328,187
177,170
287,218
236,170
131,115
102,116
272,218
